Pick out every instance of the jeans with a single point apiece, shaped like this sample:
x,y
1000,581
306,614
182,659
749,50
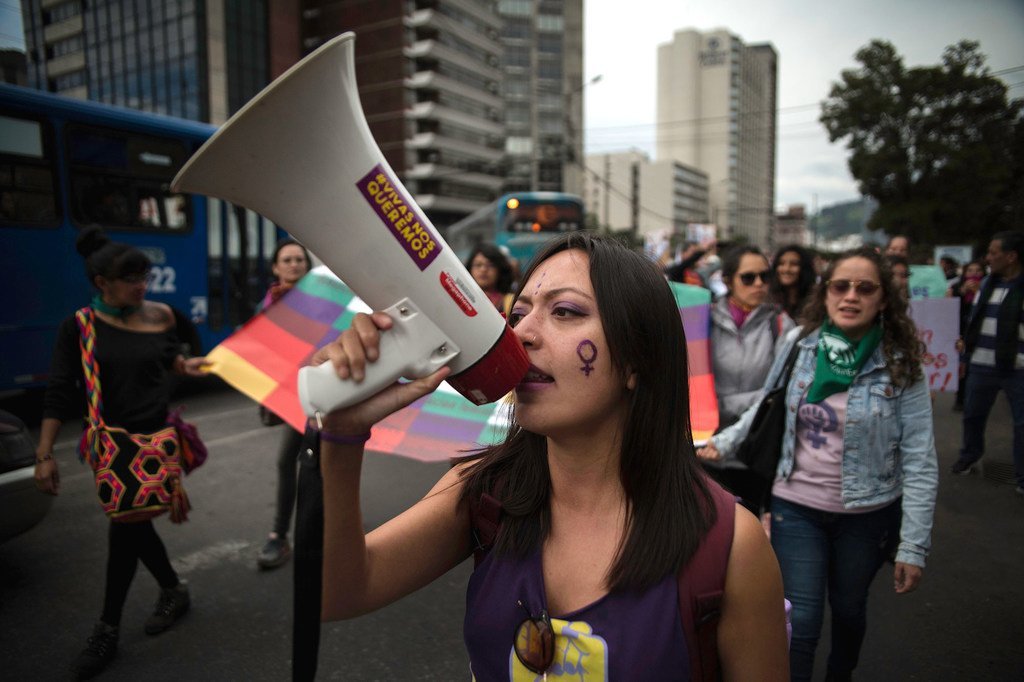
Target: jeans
x,y
983,385
287,461
841,552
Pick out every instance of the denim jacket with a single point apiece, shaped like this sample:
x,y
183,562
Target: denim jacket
x,y
888,441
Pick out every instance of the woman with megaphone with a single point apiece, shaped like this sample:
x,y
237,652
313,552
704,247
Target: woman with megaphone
x,y
585,517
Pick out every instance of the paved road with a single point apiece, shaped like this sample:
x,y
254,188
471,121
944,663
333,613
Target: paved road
x,y
964,623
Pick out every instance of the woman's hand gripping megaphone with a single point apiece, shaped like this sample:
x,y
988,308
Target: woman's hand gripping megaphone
x,y
351,355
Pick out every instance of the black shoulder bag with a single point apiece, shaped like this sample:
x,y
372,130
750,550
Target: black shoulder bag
x,y
762,447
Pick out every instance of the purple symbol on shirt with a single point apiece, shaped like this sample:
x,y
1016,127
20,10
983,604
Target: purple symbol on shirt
x,y
819,419
588,353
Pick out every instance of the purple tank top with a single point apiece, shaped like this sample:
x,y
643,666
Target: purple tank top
x,y
622,636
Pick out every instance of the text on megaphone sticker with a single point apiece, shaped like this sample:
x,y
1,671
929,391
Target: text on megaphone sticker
x,y
400,217
451,285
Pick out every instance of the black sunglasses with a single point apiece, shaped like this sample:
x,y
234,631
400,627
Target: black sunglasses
x,y
864,287
137,277
534,642
748,277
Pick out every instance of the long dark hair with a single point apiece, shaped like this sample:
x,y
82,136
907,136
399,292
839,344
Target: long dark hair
x,y
506,276
107,258
900,344
804,282
669,508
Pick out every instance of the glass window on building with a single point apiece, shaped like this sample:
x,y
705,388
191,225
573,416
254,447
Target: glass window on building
x,y
551,23
519,146
550,68
516,55
62,12
515,8
515,29
549,43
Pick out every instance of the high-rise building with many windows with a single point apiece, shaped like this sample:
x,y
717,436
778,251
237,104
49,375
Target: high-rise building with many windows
x,y
543,94
429,75
195,59
459,94
716,111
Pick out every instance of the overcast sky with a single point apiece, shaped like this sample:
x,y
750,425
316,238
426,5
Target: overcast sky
x,y
815,40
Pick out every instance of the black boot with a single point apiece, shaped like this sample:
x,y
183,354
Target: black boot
x,y
172,604
98,653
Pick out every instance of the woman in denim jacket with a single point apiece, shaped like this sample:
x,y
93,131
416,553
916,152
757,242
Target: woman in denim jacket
x,y
858,475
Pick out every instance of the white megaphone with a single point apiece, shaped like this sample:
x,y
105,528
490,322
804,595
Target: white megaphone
x,y
301,154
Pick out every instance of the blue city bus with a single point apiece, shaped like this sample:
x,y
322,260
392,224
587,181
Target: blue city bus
x,y
66,164
519,222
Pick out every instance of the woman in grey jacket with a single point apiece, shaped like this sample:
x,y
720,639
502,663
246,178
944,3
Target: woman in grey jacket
x,y
745,330
857,476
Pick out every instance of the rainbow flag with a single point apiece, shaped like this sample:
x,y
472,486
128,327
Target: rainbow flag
x,y
262,360
695,309
263,357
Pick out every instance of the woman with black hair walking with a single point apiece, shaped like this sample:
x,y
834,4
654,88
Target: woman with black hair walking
x,y
137,346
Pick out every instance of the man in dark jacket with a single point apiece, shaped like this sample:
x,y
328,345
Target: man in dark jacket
x,y
994,347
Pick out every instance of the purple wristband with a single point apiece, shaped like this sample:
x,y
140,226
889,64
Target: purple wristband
x,y
340,439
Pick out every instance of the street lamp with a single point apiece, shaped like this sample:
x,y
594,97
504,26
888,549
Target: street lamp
x,y
570,155
570,132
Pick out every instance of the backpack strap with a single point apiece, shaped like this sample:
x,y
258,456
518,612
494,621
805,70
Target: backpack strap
x,y
702,585
484,520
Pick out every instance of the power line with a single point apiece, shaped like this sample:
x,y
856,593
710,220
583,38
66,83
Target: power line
x,y
759,112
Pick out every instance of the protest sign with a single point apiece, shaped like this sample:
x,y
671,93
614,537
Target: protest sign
x,y
927,281
938,327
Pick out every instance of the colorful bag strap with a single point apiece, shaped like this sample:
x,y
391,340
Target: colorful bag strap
x,y
91,373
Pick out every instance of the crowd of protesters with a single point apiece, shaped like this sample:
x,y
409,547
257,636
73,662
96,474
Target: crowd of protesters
x,y
854,484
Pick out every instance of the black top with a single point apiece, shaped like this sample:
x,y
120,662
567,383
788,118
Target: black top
x,y
134,368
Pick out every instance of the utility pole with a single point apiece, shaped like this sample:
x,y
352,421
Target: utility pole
x,y
814,220
607,188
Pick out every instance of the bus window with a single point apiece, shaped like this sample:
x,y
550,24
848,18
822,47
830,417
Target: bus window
x,y
122,180
543,217
28,193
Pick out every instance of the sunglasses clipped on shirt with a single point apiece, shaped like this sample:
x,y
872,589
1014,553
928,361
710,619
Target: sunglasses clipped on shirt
x,y
748,277
863,287
535,642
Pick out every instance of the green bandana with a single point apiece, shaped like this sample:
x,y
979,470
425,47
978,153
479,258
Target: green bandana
x,y
839,360
99,304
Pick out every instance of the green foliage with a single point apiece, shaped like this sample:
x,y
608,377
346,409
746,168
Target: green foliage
x,y
940,148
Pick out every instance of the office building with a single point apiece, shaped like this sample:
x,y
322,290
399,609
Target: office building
x,y
716,107
626,191
429,75
543,94
195,59
791,227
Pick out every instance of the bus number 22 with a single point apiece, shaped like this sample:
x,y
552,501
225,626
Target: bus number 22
x,y
162,280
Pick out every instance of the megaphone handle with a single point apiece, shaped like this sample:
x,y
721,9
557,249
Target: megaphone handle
x,y
414,347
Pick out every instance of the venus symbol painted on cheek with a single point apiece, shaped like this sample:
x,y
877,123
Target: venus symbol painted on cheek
x,y
587,352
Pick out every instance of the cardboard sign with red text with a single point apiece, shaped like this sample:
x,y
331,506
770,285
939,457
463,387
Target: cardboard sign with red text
x,y
938,327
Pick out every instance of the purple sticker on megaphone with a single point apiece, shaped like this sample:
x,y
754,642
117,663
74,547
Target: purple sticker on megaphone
x,y
400,216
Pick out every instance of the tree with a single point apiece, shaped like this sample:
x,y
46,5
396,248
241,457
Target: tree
x,y
940,148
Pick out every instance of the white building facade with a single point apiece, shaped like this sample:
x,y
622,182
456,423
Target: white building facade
x,y
626,191
716,111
